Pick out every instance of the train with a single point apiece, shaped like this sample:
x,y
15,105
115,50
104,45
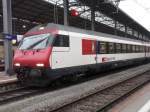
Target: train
x,y
50,51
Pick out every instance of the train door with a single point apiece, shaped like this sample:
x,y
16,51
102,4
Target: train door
x,y
145,51
61,48
97,50
89,50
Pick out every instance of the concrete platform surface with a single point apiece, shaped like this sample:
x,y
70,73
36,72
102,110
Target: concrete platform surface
x,y
6,78
137,102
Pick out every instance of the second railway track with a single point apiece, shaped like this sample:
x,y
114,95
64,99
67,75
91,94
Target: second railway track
x,y
18,93
102,100
9,86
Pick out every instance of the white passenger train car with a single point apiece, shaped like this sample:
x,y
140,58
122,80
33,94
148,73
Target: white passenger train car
x,y
51,51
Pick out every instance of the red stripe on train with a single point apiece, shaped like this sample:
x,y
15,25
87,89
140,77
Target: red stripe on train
x,y
88,46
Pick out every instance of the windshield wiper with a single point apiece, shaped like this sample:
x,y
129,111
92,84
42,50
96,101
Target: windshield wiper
x,y
30,47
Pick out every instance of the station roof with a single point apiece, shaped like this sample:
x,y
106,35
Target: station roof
x,y
110,10
33,12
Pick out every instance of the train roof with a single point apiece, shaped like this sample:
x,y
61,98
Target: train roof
x,y
58,27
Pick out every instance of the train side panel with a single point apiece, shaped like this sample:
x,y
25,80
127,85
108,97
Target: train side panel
x,y
73,56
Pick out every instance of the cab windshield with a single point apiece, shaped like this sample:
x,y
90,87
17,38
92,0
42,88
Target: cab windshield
x,y
36,42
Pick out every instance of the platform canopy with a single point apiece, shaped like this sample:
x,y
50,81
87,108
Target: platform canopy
x,y
108,17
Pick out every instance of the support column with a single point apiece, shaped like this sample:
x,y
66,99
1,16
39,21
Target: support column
x,y
7,28
132,32
66,11
138,34
115,27
92,18
125,30
142,37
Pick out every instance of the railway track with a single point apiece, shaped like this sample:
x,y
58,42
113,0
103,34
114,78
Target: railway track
x,y
103,100
17,93
13,90
9,86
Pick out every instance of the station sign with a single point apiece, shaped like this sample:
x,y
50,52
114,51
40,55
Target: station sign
x,y
10,36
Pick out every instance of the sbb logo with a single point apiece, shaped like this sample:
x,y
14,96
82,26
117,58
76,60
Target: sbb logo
x,y
106,59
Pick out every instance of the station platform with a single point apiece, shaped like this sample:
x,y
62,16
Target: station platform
x,y
6,78
137,102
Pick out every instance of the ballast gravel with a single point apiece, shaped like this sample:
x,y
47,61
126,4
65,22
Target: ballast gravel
x,y
51,100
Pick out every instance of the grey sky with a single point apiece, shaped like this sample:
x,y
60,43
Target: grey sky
x,y
139,10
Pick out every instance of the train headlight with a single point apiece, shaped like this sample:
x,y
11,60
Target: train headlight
x,y
17,64
40,65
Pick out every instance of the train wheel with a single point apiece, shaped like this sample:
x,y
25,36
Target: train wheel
x,y
21,78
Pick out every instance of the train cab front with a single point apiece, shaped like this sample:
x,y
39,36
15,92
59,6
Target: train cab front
x,y
32,58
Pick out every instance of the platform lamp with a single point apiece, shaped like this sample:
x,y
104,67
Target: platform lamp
x,y
13,41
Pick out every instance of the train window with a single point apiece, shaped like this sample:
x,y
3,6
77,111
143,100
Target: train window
x,y
146,48
118,48
36,42
124,48
61,41
97,49
103,47
128,48
141,48
111,48
133,48
137,48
